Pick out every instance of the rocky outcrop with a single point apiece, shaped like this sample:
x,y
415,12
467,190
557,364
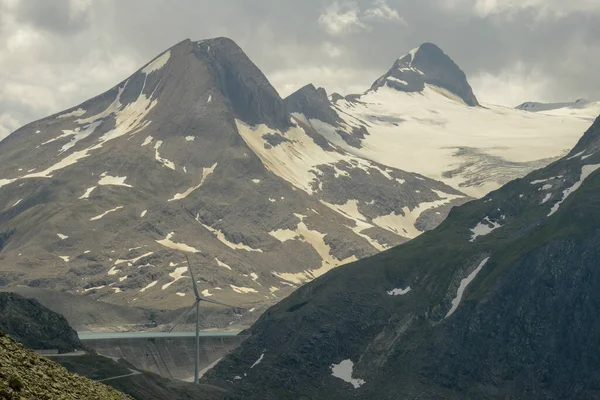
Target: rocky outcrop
x,y
35,326
26,375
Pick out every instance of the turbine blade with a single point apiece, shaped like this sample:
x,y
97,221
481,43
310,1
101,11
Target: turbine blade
x,y
193,279
217,302
182,316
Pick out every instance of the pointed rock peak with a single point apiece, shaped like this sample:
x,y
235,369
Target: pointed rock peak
x,y
428,64
253,99
310,91
313,103
335,97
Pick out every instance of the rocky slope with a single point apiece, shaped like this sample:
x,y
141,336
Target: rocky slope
x,y
422,116
498,302
35,326
26,375
194,153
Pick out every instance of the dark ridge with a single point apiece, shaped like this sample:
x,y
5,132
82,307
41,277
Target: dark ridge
x,y
313,103
252,97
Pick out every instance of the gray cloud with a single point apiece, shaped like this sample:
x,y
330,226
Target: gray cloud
x,y
57,16
56,54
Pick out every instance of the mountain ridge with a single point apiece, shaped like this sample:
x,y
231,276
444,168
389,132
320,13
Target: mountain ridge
x,y
496,302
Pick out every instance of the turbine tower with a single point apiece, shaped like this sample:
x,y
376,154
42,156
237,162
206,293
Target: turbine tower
x,y
197,306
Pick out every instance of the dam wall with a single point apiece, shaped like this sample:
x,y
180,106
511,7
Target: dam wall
x,y
169,356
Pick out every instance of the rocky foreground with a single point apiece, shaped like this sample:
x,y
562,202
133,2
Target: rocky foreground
x,y
26,375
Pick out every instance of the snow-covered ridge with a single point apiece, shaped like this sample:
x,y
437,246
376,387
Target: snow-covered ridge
x,y
473,149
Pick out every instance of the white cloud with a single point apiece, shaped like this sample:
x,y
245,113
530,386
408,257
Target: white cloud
x,y
507,8
331,50
512,86
333,79
381,10
342,18
339,19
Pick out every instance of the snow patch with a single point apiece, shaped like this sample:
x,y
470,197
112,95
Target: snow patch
x,y
107,180
176,275
94,288
147,141
97,217
75,113
258,361
150,285
190,138
61,236
163,161
205,173
483,228
222,264
399,291
157,63
221,237
463,285
343,371
133,260
404,225
65,258
586,171
87,193
206,293
316,240
167,242
242,290
546,198
576,155
391,78
143,214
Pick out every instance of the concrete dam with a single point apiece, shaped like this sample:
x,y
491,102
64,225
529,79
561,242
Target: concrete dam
x,y
170,355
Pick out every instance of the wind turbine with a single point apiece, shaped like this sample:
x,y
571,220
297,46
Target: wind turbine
x,y
197,305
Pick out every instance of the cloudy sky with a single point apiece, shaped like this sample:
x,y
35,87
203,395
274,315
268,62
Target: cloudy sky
x,y
57,53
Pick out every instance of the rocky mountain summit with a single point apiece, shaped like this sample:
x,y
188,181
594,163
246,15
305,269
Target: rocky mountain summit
x,y
498,302
428,64
195,153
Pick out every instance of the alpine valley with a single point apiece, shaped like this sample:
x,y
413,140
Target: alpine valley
x,y
197,154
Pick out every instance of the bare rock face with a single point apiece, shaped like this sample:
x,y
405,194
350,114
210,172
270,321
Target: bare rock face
x,y
194,153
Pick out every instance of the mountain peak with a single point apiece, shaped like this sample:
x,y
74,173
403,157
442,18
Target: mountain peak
x,y
197,68
427,64
313,103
